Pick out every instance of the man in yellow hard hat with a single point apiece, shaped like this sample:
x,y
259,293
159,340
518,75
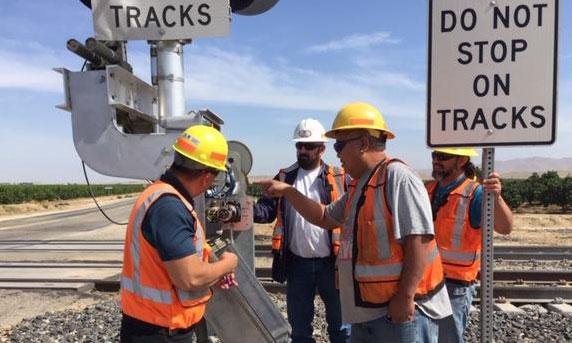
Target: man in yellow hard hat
x,y
166,278
390,273
456,201
304,254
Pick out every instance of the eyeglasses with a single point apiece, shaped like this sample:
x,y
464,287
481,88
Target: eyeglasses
x,y
439,156
307,146
339,145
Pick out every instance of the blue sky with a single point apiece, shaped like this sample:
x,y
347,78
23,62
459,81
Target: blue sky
x,y
301,59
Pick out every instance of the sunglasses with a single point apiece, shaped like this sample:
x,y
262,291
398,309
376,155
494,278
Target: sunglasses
x,y
339,145
439,156
307,146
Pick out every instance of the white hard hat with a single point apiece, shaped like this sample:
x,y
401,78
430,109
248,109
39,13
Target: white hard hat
x,y
309,130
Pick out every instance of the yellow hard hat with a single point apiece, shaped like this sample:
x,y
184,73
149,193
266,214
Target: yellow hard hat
x,y
458,151
359,115
205,145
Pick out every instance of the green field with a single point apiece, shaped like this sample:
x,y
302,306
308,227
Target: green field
x,y
548,189
20,193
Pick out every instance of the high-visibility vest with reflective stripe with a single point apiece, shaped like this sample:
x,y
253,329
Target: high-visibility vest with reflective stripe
x,y
335,177
147,292
379,260
459,243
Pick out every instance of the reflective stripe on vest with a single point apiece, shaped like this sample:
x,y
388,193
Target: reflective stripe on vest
x,y
388,271
278,232
460,216
461,257
384,250
134,285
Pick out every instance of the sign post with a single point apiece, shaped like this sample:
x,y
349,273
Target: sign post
x,y
492,81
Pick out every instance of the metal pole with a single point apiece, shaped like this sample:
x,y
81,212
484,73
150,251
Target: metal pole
x,y
487,223
171,79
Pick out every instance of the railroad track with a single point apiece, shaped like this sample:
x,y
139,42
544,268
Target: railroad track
x,y
84,268
509,253
500,252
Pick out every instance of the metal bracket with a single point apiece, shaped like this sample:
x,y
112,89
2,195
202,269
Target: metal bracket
x,y
67,105
128,93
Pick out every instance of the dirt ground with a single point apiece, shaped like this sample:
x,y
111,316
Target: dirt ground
x,y
528,229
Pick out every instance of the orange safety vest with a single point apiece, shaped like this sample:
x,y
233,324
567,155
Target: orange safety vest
x,y
378,262
335,177
459,243
147,292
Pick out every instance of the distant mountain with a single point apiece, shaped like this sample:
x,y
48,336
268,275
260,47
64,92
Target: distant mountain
x,y
523,167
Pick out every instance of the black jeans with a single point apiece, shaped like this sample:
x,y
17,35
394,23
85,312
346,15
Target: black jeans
x,y
136,331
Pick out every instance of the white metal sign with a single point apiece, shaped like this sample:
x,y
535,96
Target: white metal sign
x,y
492,72
160,20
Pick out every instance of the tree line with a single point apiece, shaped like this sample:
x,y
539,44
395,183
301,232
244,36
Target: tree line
x,y
537,190
20,193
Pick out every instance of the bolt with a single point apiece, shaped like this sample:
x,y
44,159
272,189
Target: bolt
x,y
162,32
489,132
493,3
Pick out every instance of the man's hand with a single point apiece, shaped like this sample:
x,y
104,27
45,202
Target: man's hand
x,y
230,258
273,188
493,184
401,309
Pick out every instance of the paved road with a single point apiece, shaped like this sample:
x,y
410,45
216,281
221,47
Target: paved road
x,y
61,225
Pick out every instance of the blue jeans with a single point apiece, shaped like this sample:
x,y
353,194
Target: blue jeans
x,y
420,329
451,329
304,277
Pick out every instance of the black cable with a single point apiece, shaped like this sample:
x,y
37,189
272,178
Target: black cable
x,y
93,197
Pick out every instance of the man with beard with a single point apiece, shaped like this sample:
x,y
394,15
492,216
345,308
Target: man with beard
x,y
304,254
456,200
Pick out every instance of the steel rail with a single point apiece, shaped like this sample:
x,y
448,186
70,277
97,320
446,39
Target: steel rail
x,y
500,252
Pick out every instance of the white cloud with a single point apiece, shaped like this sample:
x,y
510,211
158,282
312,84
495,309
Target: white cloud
x,y
28,66
217,75
356,41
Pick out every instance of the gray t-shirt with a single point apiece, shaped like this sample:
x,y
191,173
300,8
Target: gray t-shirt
x,y
409,203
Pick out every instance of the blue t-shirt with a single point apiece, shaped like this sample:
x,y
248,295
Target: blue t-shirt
x,y
169,226
442,192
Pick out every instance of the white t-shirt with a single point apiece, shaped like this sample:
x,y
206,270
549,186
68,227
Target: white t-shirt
x,y
306,239
411,208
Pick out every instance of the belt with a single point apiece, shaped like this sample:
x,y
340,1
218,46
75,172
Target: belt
x,y
296,257
136,323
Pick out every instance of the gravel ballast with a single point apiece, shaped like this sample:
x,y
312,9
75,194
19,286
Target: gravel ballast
x,y
100,323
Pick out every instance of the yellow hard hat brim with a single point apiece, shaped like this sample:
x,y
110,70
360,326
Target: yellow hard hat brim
x,y
333,133
467,152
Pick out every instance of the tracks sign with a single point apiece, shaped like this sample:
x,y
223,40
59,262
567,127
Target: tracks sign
x,y
160,20
492,72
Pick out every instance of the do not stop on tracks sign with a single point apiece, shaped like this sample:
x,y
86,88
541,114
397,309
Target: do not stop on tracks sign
x,y
492,72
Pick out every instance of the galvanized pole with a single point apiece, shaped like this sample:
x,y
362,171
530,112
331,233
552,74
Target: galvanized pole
x,y
487,224
170,79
